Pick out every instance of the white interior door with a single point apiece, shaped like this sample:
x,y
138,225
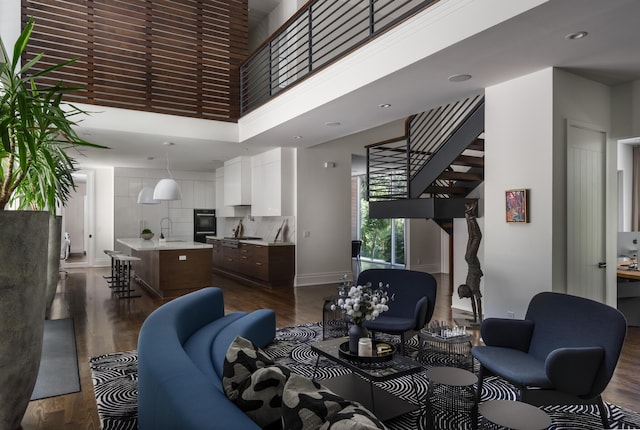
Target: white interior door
x,y
586,215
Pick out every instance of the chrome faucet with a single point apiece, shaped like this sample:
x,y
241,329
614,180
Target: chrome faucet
x,y
168,228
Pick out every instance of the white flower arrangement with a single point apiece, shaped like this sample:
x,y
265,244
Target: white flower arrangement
x,y
362,303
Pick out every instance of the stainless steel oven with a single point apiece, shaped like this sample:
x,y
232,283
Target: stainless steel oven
x,y
204,224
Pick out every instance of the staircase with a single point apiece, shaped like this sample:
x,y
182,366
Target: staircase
x,y
430,171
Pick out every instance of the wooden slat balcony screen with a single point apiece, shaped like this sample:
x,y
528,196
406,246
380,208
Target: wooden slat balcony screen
x,y
394,163
176,57
319,33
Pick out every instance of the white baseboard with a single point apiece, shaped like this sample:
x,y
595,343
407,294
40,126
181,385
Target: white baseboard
x,y
321,279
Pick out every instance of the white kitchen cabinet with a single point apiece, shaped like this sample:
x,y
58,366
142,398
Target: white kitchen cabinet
x,y
222,210
237,181
273,182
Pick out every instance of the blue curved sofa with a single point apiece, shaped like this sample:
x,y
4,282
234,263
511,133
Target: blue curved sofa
x,y
181,350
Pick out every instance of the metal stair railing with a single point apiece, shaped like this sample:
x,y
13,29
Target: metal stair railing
x,y
319,33
394,164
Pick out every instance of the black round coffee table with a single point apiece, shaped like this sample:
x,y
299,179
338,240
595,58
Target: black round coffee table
x,y
451,390
514,415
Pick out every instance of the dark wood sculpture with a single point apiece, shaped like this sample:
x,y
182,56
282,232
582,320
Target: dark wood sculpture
x,y
471,288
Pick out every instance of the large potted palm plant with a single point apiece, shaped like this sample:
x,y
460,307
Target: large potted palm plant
x,y
33,194
36,128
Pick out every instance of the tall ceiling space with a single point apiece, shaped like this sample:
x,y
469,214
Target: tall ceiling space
x,y
178,57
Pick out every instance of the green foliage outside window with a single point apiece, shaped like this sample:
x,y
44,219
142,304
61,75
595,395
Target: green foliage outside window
x,y
399,223
376,234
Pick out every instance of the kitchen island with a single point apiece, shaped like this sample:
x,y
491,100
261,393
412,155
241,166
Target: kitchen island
x,y
170,269
254,261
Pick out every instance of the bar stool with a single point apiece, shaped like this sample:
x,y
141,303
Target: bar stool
x,y
111,254
122,285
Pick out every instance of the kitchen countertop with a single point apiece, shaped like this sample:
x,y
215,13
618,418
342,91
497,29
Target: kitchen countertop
x,y
138,244
261,242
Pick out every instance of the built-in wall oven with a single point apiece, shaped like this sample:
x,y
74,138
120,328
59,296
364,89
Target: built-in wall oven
x,y
204,224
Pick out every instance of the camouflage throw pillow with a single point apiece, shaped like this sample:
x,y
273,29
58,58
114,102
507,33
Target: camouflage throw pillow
x,y
306,405
353,417
241,360
261,396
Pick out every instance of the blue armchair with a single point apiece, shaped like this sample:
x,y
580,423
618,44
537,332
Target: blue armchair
x,y
563,352
414,301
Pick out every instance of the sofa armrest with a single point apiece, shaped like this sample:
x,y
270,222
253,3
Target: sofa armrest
x,y
507,333
573,370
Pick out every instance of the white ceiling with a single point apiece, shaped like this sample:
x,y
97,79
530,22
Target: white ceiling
x,y
526,43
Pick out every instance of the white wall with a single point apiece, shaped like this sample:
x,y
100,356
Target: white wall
x,y
103,227
10,23
525,132
424,248
323,235
198,191
585,101
324,206
518,258
324,211
625,164
278,16
621,110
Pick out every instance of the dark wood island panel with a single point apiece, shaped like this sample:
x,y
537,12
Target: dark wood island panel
x,y
170,273
265,265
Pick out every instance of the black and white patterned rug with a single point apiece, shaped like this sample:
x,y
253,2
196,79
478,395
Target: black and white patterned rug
x,y
115,385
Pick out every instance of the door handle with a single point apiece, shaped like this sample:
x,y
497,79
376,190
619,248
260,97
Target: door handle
x,y
602,265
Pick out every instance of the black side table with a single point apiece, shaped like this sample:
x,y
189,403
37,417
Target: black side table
x,y
442,351
498,414
334,323
451,391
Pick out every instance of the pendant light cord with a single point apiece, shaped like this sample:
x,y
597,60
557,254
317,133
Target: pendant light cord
x,y
169,145
168,171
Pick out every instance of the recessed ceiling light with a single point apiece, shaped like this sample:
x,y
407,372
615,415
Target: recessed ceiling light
x,y
332,123
577,35
297,137
151,158
385,105
459,78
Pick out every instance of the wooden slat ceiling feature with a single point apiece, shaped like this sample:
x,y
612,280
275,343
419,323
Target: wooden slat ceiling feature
x,y
176,57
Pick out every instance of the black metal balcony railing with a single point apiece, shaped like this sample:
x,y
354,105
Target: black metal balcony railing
x,y
394,163
316,35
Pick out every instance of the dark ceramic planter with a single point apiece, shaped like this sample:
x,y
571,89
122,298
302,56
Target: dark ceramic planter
x,y
23,280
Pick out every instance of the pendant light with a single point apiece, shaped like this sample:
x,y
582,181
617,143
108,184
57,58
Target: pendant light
x,y
167,189
145,197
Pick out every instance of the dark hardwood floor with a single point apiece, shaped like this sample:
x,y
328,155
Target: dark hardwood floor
x,y
104,324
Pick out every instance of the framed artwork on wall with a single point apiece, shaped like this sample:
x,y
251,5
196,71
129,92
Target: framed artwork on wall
x,y
517,205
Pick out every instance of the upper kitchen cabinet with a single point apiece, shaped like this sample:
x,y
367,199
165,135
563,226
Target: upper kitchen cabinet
x,y
272,182
237,181
223,211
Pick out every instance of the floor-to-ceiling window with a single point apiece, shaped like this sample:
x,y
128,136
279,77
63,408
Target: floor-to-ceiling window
x,y
382,239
